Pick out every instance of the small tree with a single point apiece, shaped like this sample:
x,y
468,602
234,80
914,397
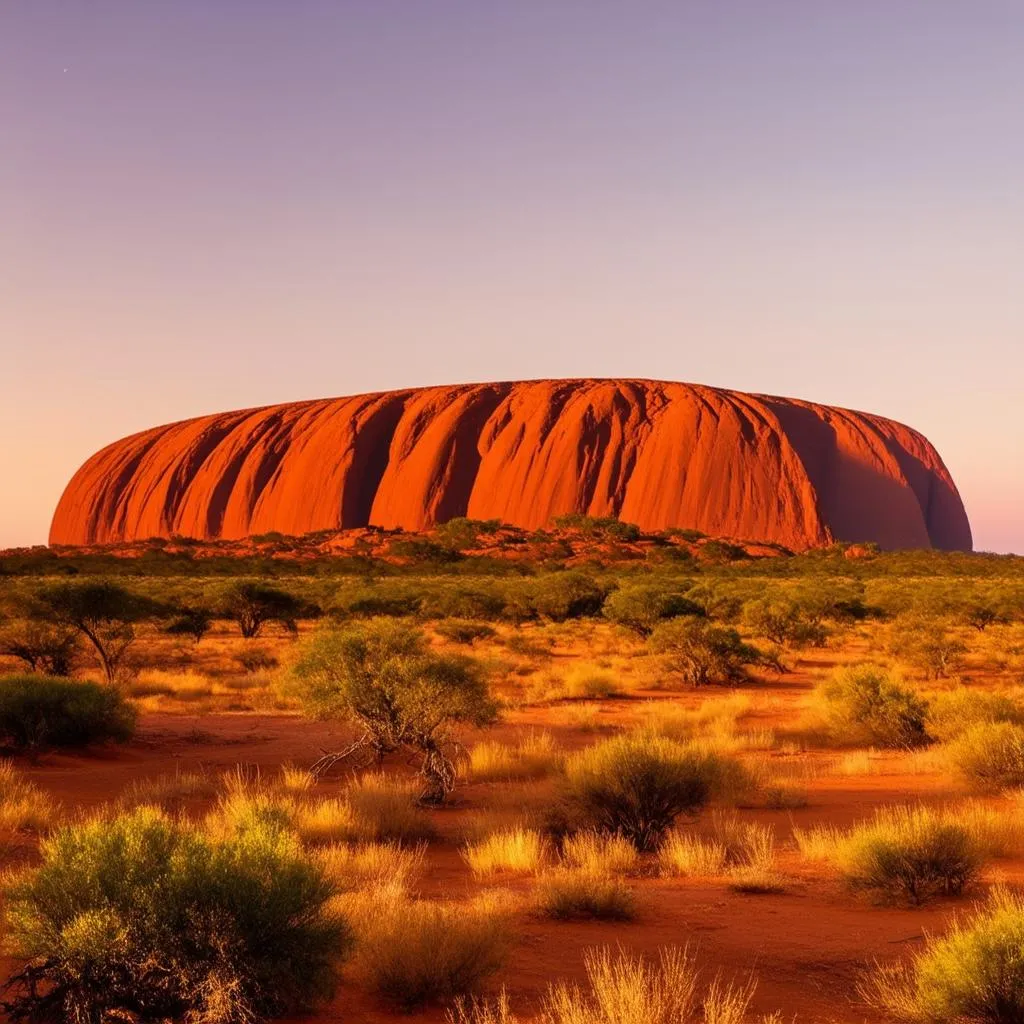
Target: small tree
x,y
929,648
104,613
703,653
253,605
567,595
191,621
41,646
381,676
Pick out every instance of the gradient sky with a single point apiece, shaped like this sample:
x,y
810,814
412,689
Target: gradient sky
x,y
213,204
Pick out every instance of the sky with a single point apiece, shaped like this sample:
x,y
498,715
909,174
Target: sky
x,y
216,205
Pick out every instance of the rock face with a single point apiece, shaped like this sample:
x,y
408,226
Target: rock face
x,y
656,454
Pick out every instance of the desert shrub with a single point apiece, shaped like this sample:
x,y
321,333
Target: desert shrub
x,y
864,704
599,853
145,917
567,893
459,601
954,712
928,647
463,631
251,605
417,951
533,757
585,682
637,785
510,850
641,607
386,599
256,660
41,646
22,805
973,974
702,653
990,756
910,853
38,712
783,622
566,595
381,676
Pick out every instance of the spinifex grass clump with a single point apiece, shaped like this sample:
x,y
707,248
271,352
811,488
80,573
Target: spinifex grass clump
x,y
902,853
990,757
973,974
143,917
637,785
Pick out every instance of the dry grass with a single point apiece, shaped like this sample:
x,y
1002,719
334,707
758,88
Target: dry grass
x,y
600,854
385,810
568,893
351,867
511,851
690,856
534,757
417,951
22,804
169,791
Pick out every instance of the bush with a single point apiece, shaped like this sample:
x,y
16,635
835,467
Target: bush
x,y
145,917
954,712
567,893
252,605
911,853
863,704
637,785
641,607
973,973
783,622
990,757
703,653
38,712
382,677
567,595
42,647
195,622
417,951
461,631
928,648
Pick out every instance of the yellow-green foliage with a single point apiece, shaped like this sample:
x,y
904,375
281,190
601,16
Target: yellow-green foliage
x,y
972,973
22,805
954,712
512,850
990,757
912,853
602,854
533,757
417,951
564,893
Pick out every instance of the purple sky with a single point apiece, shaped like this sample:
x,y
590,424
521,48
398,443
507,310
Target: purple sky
x,y
210,205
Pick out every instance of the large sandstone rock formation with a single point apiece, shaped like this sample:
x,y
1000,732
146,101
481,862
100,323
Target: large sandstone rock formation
x,y
656,454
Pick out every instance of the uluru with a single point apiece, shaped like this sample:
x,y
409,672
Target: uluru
x,y
658,454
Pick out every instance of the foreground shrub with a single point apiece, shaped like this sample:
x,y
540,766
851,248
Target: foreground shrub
x,y
38,712
972,974
702,653
902,853
144,917
637,785
864,705
567,893
990,757
417,951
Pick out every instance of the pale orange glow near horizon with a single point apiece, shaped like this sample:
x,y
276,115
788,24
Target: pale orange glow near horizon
x,y
218,206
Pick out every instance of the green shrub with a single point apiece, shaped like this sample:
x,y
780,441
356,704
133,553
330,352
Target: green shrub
x,y
253,604
38,712
783,622
641,607
702,653
638,784
567,595
974,974
41,646
990,757
461,631
928,647
910,853
863,704
142,917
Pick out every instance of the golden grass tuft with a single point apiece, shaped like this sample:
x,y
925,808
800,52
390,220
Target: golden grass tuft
x,y
22,804
600,854
351,867
511,851
534,757
567,893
